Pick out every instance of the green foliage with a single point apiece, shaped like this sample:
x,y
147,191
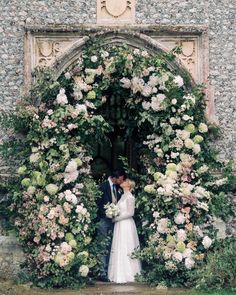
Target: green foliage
x,y
220,268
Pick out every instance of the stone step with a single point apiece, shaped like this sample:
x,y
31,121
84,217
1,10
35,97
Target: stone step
x,y
116,289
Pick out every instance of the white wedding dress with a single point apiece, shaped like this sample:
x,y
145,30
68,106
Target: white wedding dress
x,y
122,268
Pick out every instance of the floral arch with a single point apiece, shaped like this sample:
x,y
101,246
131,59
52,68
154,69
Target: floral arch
x,y
54,198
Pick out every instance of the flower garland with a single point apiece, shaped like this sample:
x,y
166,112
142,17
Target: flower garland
x,y
56,196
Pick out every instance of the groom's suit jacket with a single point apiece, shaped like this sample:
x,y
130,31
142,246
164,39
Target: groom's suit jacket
x,y
106,197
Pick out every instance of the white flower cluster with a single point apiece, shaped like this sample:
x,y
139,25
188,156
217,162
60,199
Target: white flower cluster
x,y
112,210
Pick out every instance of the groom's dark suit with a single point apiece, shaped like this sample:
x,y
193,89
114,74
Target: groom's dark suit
x,y
106,225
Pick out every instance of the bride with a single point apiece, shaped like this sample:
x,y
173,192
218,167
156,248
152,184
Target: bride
x,y
122,268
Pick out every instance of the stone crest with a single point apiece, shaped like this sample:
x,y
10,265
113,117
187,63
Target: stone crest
x,y
113,11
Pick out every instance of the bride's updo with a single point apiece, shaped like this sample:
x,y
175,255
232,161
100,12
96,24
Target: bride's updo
x,y
131,184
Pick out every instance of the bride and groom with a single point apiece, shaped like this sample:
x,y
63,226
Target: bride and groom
x,y
117,265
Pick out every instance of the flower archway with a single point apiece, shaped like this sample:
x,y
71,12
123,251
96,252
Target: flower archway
x,y
55,196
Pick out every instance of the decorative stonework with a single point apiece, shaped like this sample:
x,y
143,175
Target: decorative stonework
x,y
58,48
115,11
48,49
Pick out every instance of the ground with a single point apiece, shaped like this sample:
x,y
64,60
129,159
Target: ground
x,y
9,288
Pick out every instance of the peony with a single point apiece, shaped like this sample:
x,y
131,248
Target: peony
x,y
81,108
196,149
180,218
125,83
137,84
189,263
71,166
179,81
61,97
189,144
94,58
187,253
65,248
162,225
206,242
202,128
157,102
71,176
181,235
178,256
182,134
83,270
147,91
91,95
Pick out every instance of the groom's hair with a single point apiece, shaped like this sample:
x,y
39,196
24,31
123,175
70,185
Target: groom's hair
x,y
118,173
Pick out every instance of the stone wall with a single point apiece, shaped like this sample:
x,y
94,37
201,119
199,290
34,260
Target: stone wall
x,y
11,256
218,15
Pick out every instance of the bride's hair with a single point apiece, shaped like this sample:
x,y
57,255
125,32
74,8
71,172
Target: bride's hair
x,y
131,183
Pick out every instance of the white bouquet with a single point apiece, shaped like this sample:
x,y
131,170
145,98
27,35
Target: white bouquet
x,y
112,210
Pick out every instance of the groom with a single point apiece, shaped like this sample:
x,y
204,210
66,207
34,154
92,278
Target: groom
x,y
111,193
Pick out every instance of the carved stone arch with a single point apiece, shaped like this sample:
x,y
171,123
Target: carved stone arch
x,y
132,39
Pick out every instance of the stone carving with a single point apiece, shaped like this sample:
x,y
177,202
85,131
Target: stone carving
x,y
47,50
189,55
114,11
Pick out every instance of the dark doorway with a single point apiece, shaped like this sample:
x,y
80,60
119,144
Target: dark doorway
x,y
121,141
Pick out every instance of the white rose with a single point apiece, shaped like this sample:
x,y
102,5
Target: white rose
x,y
189,263
189,144
179,81
174,101
94,58
202,128
196,148
179,218
178,256
146,105
83,270
187,253
181,235
206,242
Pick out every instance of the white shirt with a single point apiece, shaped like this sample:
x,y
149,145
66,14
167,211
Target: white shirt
x,y
114,200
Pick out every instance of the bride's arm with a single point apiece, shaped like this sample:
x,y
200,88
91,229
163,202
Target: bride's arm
x,y
129,210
